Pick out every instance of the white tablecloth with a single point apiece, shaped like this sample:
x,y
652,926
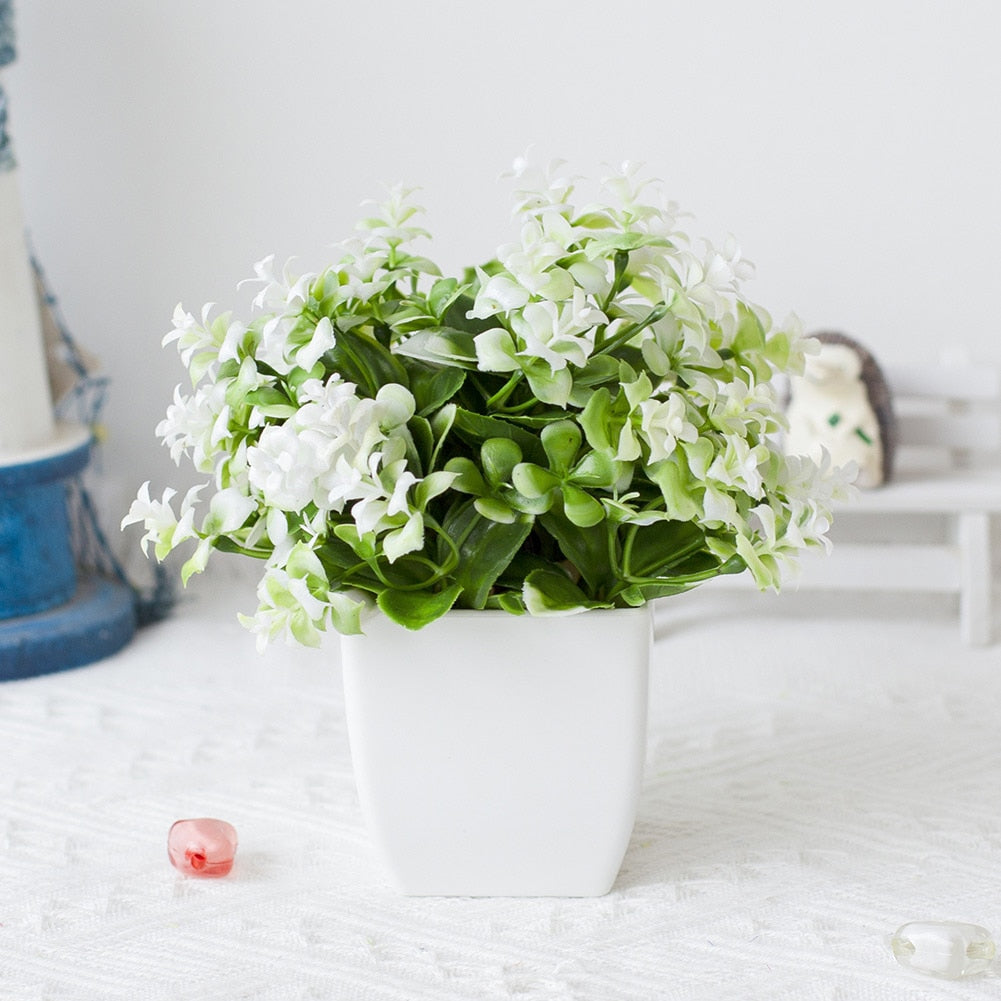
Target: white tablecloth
x,y
813,782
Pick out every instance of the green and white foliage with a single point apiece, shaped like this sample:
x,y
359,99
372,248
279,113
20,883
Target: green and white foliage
x,y
588,420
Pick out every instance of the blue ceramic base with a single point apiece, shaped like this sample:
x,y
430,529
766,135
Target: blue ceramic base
x,y
98,621
37,569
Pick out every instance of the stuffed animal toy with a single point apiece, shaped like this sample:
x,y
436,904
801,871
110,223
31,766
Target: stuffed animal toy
x,y
842,403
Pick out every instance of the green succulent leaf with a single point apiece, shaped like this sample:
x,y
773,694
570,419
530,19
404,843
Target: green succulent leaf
x,y
416,609
596,419
496,510
549,386
506,601
433,485
533,481
499,456
468,478
598,470
552,592
581,508
561,441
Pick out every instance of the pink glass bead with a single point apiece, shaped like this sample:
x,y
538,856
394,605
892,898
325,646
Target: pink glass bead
x,y
202,847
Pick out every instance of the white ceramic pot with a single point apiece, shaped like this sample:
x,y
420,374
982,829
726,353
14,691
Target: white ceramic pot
x,y
500,755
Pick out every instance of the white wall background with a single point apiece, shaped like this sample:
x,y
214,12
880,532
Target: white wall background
x,y
853,148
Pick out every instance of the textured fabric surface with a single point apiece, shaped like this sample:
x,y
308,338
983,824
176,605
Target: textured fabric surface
x,y
814,780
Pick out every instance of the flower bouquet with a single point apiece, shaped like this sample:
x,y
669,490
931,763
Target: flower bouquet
x,y
586,421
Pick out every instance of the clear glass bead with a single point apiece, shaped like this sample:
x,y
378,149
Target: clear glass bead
x,y
947,949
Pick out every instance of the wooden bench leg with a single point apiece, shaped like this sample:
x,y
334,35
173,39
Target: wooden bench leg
x,y
975,609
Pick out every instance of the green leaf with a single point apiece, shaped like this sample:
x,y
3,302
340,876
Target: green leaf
x,y
507,601
455,315
622,241
268,398
750,334
486,548
416,609
550,387
528,505
561,440
423,438
778,350
361,359
581,508
596,419
675,484
443,293
600,369
441,424
552,592
533,481
498,457
468,478
433,387
475,429
656,358
639,594
495,510
522,564
585,548
655,549
345,614
594,220
598,470
357,547
749,341
440,346
433,485
647,287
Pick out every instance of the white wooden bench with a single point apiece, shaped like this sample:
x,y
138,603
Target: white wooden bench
x,y
928,530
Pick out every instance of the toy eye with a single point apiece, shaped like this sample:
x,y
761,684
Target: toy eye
x,y
863,436
834,420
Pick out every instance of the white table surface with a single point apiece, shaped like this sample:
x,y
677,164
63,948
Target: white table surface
x,y
814,780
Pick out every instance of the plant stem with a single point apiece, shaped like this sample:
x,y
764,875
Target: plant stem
x,y
632,329
497,400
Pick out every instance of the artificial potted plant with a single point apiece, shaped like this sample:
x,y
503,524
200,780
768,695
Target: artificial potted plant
x,y
583,424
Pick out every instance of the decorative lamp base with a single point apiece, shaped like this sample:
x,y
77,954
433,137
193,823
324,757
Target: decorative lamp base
x,y
98,621
37,568
51,617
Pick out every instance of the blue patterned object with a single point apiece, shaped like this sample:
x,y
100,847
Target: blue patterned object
x,y
7,50
7,53
37,569
7,161
98,621
56,614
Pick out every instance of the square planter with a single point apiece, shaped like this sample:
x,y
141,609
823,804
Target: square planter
x,y
500,755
